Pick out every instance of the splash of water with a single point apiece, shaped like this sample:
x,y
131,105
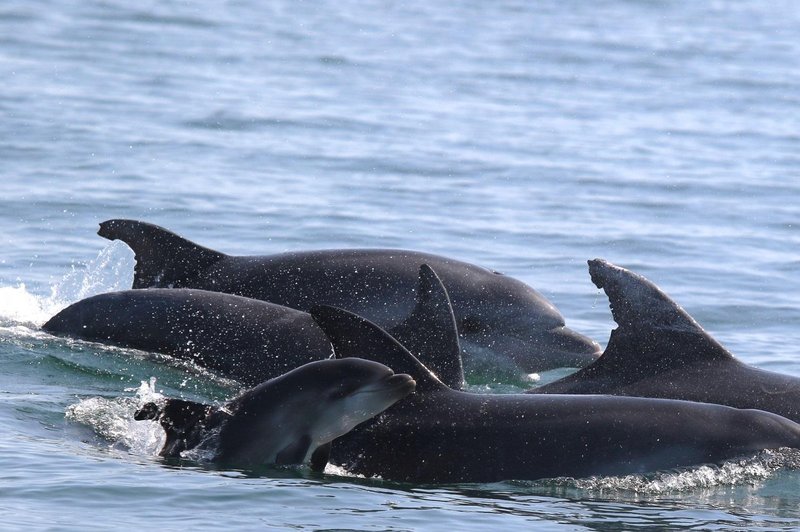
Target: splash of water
x,y
112,419
335,470
18,307
742,471
111,270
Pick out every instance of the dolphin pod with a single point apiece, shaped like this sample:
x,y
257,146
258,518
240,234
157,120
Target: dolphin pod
x,y
246,339
438,433
659,350
494,313
290,419
442,435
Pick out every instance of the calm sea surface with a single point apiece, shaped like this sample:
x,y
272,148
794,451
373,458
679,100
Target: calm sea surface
x,y
526,137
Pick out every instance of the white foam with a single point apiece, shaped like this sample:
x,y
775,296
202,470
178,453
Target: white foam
x,y
331,469
750,470
111,270
112,419
18,307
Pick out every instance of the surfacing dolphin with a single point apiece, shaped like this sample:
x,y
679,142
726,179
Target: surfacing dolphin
x,y
495,314
659,350
441,435
246,339
290,419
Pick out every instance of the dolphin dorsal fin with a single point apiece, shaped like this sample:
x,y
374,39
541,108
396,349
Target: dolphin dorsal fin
x,y
430,331
635,301
651,326
354,336
163,259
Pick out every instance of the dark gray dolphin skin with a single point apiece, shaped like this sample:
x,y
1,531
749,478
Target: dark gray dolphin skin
x,y
246,339
440,435
659,350
290,419
494,313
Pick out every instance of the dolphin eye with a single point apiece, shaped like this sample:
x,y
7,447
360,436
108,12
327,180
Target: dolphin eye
x,y
471,324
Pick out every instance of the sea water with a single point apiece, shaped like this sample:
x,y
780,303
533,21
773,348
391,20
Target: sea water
x,y
526,137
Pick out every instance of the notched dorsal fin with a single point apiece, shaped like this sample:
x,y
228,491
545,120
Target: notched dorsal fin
x,y
635,301
354,336
163,259
430,331
650,324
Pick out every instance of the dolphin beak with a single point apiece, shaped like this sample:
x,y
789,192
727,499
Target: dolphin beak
x,y
398,384
574,350
537,351
402,383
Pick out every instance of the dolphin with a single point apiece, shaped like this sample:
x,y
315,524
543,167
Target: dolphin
x,y
246,339
497,316
441,435
659,350
290,419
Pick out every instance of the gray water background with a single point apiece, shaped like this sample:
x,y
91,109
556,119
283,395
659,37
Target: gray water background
x,y
526,137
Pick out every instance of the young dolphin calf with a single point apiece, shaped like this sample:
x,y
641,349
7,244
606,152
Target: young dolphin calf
x,y
497,316
659,350
290,419
246,339
441,435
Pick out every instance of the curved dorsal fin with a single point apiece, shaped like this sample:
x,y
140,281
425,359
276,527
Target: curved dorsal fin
x,y
652,328
163,259
430,331
354,336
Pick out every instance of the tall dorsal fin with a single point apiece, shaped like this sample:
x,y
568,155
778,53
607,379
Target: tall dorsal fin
x,y
652,327
430,331
163,259
354,336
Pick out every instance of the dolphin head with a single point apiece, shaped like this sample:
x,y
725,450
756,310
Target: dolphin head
x,y
508,317
348,392
287,419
